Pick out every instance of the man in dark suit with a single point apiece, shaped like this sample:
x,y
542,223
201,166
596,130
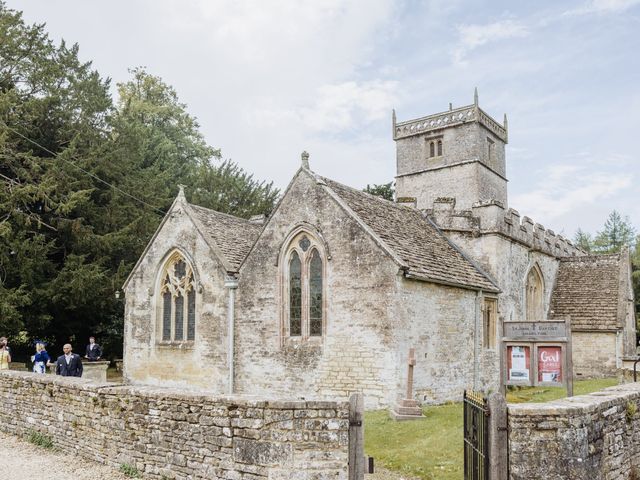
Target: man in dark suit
x,y
94,352
69,364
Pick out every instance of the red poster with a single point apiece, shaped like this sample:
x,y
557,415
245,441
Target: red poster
x,y
518,363
550,364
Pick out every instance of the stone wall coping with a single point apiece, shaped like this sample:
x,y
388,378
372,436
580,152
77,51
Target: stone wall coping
x,y
580,404
251,401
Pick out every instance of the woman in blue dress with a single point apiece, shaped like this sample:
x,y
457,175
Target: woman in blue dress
x,y
40,359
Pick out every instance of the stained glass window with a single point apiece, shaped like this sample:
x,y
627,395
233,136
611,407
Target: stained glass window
x,y
305,314
295,295
191,315
179,318
166,316
315,294
304,244
178,315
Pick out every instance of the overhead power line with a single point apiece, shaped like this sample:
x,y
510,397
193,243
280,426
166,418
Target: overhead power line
x,y
92,175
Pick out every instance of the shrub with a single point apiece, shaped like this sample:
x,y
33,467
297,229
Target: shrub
x,y
40,439
130,470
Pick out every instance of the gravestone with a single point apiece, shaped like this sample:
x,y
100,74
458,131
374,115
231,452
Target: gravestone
x,y
96,371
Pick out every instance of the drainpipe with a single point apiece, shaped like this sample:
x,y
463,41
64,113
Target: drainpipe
x,y
232,284
476,341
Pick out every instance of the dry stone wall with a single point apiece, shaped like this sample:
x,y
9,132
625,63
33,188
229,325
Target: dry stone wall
x,y
594,437
172,435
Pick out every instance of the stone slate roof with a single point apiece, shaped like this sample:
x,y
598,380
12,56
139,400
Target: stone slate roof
x,y
424,250
232,235
587,290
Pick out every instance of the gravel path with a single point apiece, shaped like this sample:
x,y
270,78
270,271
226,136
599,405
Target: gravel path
x,y
21,460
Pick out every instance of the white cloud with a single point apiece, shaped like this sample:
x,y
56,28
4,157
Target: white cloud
x,y
604,6
569,188
474,36
338,107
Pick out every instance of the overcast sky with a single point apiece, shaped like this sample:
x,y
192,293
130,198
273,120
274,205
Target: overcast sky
x,y
270,78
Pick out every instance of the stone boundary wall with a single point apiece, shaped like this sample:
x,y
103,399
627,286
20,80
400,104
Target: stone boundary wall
x,y
168,434
594,437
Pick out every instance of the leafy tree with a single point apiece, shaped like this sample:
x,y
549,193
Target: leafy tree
x,y
53,111
228,188
617,233
635,278
384,190
583,240
86,183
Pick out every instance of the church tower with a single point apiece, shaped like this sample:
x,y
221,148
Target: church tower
x,y
458,153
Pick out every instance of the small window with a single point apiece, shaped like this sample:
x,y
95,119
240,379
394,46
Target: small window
x,y
432,149
178,301
490,315
439,148
490,150
304,282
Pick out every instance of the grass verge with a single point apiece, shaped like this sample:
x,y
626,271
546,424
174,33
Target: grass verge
x,y
432,448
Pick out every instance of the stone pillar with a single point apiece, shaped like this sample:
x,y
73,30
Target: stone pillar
x,y
498,438
95,371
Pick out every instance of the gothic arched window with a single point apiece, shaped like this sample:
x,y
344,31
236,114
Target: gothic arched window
x,y
535,295
178,300
439,147
432,149
304,265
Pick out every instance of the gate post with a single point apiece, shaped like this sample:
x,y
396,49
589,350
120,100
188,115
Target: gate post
x,y
356,437
498,438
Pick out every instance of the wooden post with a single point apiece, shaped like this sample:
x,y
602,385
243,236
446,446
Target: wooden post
x,y
498,438
568,363
356,437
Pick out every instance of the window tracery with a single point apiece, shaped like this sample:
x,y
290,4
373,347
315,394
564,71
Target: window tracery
x,y
177,290
304,281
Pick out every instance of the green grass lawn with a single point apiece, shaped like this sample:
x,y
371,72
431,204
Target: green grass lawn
x,y
431,448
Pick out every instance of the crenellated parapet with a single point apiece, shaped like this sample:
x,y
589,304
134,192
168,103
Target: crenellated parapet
x,y
453,117
492,218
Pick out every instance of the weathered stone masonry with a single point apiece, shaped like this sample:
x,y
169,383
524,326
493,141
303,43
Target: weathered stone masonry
x,y
167,434
589,437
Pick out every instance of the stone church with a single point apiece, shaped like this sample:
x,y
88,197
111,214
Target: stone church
x,y
326,296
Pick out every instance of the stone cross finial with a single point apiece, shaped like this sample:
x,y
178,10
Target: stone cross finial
x,y
181,192
305,160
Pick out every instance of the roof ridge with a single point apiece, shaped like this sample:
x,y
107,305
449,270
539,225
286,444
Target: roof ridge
x,y
597,256
390,203
193,205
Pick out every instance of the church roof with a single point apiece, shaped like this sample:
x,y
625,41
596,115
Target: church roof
x,y
233,236
587,290
412,239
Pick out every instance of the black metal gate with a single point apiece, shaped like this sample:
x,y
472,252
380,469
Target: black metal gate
x,y
476,436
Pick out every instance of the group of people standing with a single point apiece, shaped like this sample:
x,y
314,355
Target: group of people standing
x,y
68,364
